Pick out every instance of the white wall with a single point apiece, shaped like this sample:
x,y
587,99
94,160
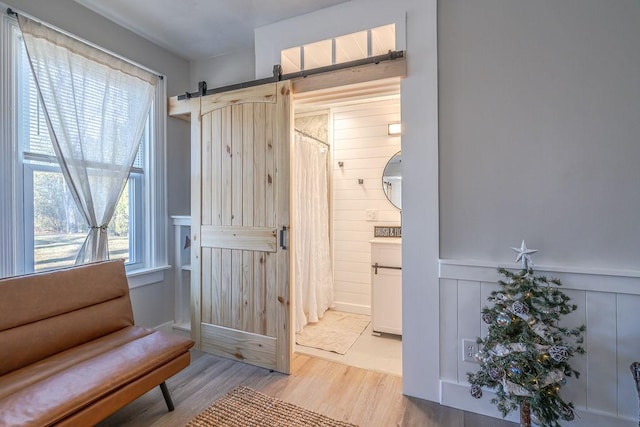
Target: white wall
x,y
539,130
152,304
223,70
416,31
362,143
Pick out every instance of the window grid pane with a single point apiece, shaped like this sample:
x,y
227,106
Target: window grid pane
x,y
317,54
383,39
351,47
290,60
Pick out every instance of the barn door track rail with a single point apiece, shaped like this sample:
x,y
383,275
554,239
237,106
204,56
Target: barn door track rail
x,y
278,76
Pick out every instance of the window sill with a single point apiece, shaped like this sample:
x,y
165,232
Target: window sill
x,y
146,276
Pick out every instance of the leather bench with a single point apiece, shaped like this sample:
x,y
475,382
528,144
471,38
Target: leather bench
x,y
70,353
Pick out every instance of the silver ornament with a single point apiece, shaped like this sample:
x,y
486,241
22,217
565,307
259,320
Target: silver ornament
x,y
487,318
503,320
496,374
476,391
515,369
559,353
534,419
519,307
567,413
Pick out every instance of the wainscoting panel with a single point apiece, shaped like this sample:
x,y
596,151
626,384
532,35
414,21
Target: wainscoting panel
x,y
628,351
601,353
448,329
609,306
576,389
468,325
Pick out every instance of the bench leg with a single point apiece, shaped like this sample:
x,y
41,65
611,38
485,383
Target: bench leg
x,y
167,396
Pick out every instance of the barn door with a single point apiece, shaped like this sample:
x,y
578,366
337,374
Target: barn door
x,y
241,302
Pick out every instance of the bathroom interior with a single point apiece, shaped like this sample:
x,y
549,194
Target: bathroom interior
x,y
346,218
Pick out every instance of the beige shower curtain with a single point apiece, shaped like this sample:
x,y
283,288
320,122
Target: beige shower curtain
x,y
313,277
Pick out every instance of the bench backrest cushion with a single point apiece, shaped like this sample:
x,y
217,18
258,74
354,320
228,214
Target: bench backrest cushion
x,y
45,313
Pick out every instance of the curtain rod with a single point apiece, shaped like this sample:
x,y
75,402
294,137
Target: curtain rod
x,y
12,12
312,137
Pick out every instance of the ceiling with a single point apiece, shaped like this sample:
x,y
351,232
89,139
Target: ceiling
x,y
197,29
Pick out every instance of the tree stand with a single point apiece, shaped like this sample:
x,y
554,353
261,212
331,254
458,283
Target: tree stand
x,y
525,414
635,371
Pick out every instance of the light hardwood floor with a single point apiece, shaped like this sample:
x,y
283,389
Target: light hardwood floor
x,y
362,397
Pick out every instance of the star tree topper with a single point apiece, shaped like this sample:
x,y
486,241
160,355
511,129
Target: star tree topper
x,y
524,255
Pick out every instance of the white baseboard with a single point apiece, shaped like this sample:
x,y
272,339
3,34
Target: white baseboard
x,y
166,327
175,328
352,308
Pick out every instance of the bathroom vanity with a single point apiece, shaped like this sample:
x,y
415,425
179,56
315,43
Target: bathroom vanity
x,y
386,285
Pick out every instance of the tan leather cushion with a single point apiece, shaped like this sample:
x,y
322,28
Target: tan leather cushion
x,y
21,378
27,299
44,314
81,383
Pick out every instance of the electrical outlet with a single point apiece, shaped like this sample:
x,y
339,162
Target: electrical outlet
x,y
469,350
371,214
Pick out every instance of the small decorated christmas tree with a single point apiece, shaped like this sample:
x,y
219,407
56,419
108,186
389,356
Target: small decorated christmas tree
x,y
525,355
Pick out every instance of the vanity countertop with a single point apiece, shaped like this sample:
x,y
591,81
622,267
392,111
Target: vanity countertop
x,y
392,240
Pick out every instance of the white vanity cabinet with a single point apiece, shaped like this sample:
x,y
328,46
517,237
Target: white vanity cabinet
x,y
386,285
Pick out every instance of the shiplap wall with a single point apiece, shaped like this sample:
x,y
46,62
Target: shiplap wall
x,y
607,304
362,143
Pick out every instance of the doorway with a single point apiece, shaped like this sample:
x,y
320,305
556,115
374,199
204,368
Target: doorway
x,y
347,126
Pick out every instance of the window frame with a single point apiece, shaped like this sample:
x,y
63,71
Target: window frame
x,y
149,231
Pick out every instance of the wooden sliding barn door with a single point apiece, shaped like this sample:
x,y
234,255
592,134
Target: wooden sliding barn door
x,y
240,204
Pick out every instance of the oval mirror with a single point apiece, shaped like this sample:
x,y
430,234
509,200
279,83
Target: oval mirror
x,y
392,180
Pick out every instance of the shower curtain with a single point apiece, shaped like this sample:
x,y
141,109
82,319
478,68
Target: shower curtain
x,y
313,279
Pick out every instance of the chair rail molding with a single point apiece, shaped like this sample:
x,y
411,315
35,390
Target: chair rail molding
x,y
585,279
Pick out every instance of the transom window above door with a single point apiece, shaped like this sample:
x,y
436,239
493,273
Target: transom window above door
x,y
338,50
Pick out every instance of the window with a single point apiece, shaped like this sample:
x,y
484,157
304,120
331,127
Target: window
x,y
46,227
338,50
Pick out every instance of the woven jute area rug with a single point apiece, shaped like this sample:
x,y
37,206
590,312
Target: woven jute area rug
x,y
244,407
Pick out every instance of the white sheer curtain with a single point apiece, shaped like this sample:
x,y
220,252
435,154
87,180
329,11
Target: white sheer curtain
x,y
313,279
96,107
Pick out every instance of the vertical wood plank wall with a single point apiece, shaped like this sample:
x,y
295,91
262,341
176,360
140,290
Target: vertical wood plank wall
x,y
361,141
605,394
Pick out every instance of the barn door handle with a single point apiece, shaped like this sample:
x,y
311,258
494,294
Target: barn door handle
x,y
282,243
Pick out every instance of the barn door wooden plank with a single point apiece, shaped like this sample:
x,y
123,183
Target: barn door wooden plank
x,y
282,133
207,169
248,196
216,216
259,216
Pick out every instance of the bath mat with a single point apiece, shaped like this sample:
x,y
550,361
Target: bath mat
x,y
244,407
336,331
